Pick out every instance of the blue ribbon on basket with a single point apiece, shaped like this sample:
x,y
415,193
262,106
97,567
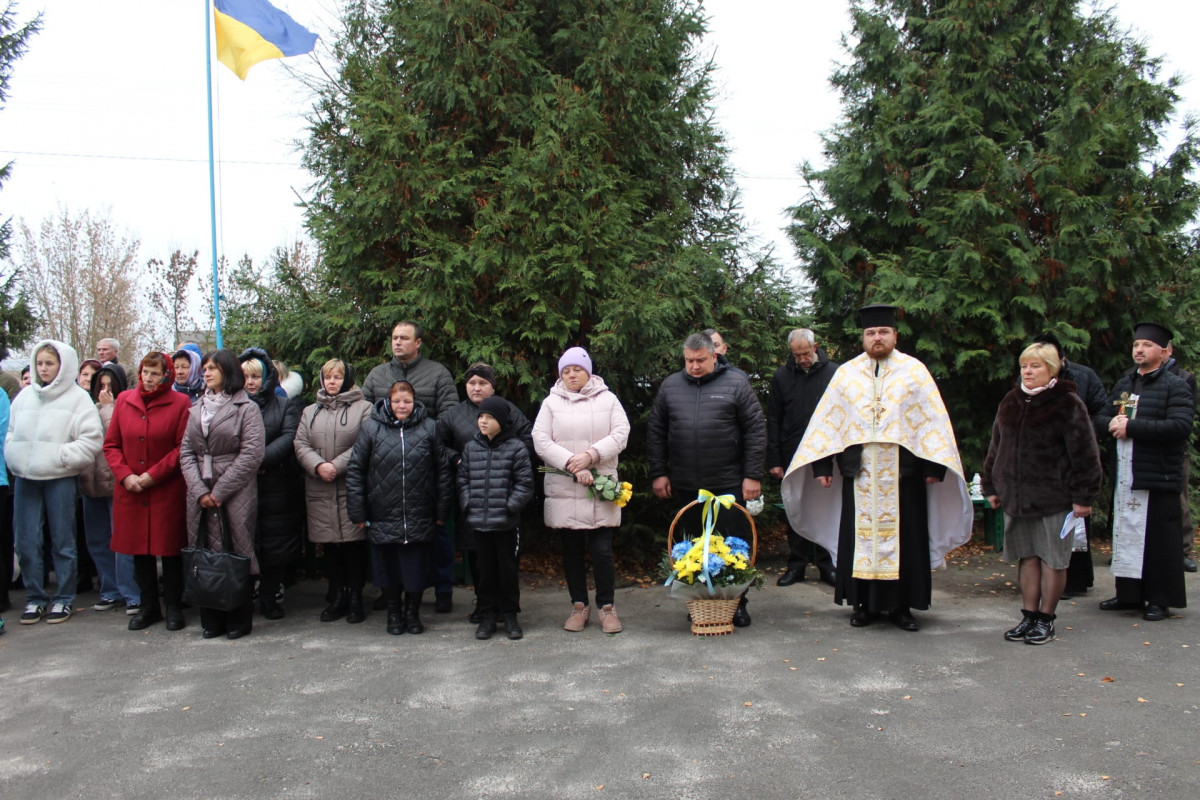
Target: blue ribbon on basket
x,y
712,504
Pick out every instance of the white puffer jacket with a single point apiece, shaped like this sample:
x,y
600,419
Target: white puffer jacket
x,y
591,419
54,430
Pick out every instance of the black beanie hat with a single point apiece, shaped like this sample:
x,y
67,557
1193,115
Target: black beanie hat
x,y
483,371
497,407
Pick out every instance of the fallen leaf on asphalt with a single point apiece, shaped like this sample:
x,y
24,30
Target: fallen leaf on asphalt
x,y
1081,674
1107,679
1104,777
787,661
600,787
189,708
747,704
1083,714
793,669
822,658
645,775
1179,684
1146,643
908,697
879,729
1143,700
320,737
1066,715
1058,794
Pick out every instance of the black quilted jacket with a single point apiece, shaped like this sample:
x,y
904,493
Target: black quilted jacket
x,y
706,433
398,479
495,481
1159,428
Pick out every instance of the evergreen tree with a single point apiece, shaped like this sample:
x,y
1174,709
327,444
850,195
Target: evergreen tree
x,y
17,321
998,173
523,176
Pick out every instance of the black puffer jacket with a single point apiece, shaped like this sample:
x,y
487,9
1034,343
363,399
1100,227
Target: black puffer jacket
x,y
1088,386
1043,455
1159,428
495,481
460,424
280,537
398,479
707,432
795,393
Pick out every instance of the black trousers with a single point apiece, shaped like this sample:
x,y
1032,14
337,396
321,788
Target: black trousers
x,y
802,552
346,564
499,588
145,570
575,545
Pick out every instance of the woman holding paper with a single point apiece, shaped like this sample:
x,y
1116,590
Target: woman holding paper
x,y
1043,468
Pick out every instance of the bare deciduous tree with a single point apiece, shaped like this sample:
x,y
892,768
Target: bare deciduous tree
x,y
81,274
169,289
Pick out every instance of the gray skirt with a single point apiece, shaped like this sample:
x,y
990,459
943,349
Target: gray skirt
x,y
1025,537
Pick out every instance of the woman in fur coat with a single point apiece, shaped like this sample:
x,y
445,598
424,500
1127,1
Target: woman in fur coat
x,y
1042,465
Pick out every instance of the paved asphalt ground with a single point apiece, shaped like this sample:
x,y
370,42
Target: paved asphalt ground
x,y
798,705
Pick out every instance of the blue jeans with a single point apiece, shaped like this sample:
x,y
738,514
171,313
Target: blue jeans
x,y
115,569
35,502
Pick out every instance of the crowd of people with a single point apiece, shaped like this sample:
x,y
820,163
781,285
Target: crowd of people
x,y
215,450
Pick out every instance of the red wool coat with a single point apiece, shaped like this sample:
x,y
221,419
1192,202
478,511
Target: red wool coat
x,y
144,437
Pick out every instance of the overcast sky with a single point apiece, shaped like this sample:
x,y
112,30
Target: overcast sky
x,y
107,111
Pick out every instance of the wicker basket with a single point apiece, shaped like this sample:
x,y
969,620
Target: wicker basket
x,y
713,616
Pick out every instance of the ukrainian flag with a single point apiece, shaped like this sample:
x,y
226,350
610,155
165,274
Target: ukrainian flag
x,y
250,31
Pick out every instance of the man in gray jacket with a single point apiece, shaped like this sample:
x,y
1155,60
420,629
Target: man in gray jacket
x,y
432,382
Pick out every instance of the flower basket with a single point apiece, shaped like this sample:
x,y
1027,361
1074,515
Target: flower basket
x,y
711,609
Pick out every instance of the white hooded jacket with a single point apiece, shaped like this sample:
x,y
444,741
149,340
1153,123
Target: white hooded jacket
x,y
54,430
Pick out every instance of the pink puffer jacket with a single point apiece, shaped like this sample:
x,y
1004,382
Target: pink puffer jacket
x,y
575,422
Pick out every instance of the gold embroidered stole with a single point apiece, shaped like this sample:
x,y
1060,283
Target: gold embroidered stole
x,y
877,499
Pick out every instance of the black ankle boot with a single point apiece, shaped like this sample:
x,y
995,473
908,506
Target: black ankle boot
x,y
1017,634
337,609
147,616
395,612
512,627
269,607
175,621
412,613
1042,630
741,617
355,612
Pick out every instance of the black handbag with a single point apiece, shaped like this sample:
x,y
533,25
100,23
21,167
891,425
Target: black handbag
x,y
212,579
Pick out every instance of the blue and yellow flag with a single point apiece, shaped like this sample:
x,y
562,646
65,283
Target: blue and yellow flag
x,y
250,31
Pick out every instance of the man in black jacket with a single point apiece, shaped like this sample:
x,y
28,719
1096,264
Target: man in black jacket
x,y
706,431
1150,417
795,391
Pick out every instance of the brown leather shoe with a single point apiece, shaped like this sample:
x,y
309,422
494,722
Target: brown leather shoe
x,y
608,620
578,619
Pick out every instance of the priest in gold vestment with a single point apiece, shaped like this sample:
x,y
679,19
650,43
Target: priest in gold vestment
x,y
878,480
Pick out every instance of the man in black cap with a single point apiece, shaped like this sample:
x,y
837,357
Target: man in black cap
x,y
900,500
1150,416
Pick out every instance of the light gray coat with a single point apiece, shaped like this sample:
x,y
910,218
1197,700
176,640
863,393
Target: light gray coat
x,y
328,429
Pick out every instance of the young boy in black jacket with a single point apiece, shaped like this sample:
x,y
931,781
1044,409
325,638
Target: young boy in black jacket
x,y
495,482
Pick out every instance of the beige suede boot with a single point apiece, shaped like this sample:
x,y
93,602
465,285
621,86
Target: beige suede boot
x,y
579,618
608,620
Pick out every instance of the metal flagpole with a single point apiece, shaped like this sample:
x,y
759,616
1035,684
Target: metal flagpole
x,y
212,181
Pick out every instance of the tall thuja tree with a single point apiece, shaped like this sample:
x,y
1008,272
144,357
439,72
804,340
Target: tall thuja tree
x,y
998,172
522,176
17,320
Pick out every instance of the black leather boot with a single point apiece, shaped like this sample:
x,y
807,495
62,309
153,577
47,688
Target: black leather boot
x,y
340,605
147,616
741,617
395,612
175,621
355,612
412,613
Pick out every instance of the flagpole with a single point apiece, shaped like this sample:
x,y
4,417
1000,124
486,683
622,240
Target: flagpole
x,y
212,181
